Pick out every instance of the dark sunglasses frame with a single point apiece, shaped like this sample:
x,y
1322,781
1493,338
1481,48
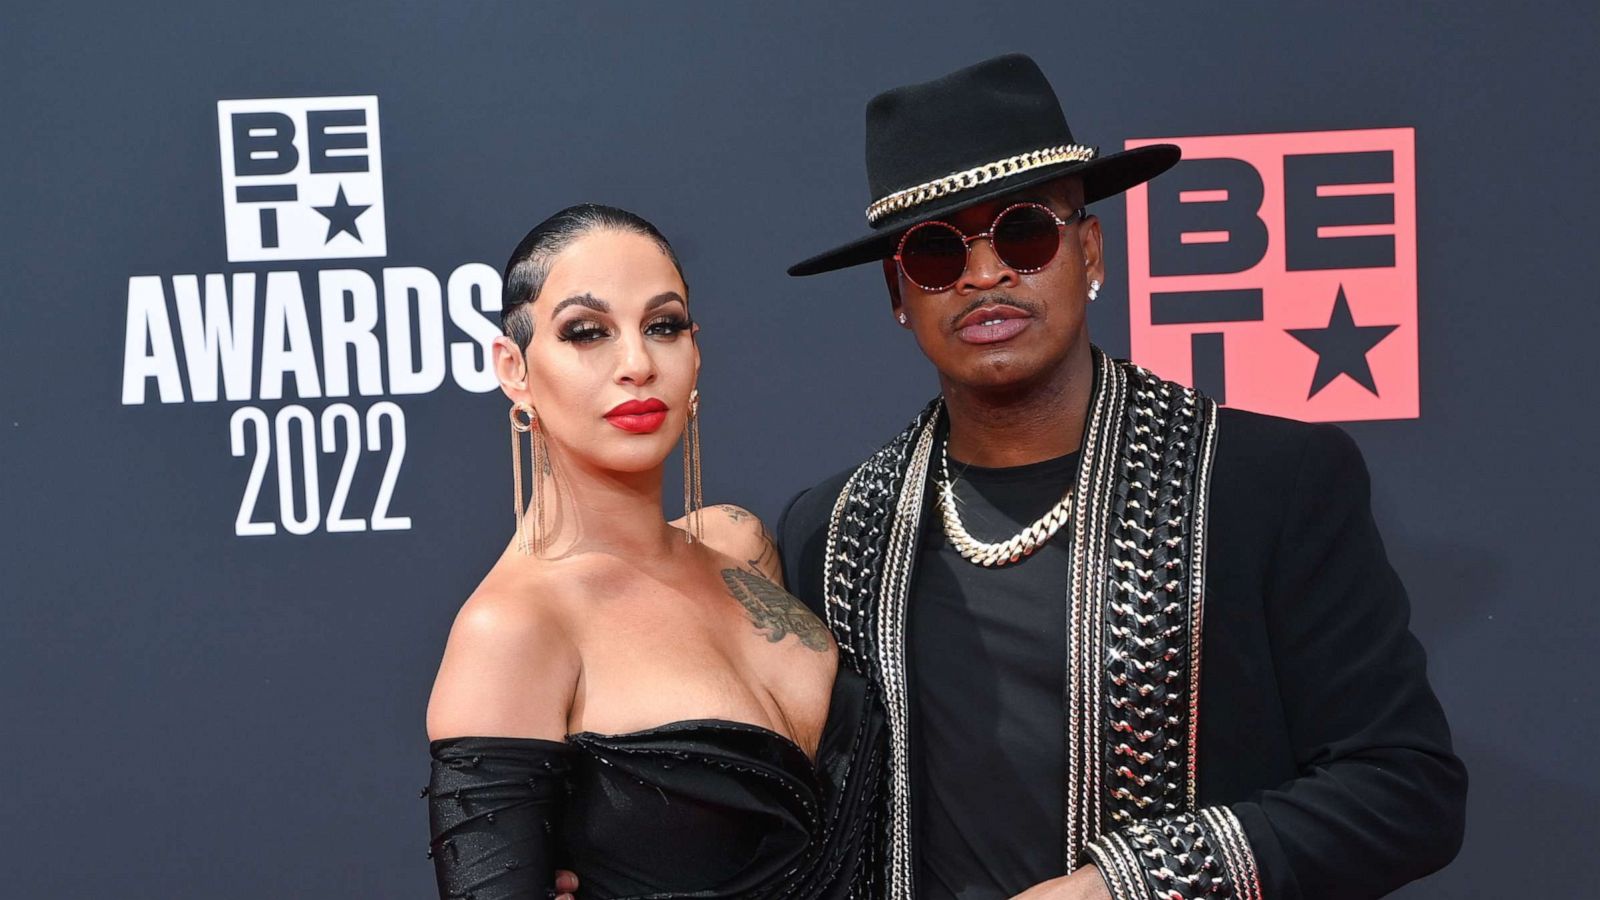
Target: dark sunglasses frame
x,y
1077,215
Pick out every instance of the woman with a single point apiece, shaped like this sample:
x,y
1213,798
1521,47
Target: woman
x,y
635,700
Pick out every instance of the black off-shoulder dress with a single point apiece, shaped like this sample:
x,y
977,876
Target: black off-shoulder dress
x,y
702,808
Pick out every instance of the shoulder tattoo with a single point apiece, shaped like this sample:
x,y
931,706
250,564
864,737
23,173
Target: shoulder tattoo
x,y
774,611
766,553
767,559
736,513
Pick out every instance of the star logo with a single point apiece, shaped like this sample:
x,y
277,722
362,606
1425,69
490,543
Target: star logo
x,y
1342,347
342,217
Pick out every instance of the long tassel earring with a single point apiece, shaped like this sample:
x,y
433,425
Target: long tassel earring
x,y
527,538
692,500
541,467
520,426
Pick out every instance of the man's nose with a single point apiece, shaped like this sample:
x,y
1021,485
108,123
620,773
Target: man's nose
x,y
985,270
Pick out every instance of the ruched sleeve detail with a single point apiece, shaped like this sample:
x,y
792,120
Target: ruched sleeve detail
x,y
493,809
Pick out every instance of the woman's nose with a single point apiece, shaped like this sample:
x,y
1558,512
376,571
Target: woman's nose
x,y
636,366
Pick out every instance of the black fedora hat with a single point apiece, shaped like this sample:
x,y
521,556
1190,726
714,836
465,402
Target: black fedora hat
x,y
973,135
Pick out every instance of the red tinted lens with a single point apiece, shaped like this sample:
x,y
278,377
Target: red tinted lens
x,y
1026,238
933,255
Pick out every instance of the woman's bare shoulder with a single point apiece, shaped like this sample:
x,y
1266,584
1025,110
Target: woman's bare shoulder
x,y
510,665
506,618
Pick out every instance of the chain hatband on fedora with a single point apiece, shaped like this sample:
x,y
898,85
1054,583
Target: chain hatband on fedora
x,y
971,178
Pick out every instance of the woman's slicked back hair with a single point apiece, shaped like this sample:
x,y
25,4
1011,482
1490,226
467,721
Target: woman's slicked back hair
x,y
529,265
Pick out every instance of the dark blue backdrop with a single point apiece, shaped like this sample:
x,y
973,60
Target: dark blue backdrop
x,y
192,713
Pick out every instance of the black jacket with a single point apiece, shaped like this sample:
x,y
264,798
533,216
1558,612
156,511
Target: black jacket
x,y
1317,727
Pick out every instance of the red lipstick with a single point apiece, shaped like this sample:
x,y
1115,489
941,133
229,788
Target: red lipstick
x,y
992,324
638,416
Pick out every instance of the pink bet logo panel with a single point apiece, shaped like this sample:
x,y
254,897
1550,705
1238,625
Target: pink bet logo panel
x,y
1278,272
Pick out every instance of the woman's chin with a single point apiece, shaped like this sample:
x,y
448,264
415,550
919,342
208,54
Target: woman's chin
x,y
637,455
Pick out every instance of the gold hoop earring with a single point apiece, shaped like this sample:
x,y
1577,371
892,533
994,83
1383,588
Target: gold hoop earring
x,y
692,501
526,542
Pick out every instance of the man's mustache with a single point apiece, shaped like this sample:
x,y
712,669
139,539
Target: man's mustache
x,y
1027,306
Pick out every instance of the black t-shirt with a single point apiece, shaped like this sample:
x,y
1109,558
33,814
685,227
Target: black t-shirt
x,y
986,658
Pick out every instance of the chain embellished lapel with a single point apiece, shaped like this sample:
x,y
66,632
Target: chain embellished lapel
x,y
1135,601
867,566
858,543
1085,597
1151,615
897,568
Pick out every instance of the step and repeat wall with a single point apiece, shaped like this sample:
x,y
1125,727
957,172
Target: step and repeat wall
x,y
253,458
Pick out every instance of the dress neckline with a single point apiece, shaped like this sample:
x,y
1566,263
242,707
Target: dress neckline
x,y
680,725
841,683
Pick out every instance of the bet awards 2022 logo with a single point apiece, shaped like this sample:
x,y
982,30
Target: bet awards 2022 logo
x,y
302,178
1278,272
310,357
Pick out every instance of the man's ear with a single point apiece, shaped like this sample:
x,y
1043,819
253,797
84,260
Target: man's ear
x,y
891,280
1093,249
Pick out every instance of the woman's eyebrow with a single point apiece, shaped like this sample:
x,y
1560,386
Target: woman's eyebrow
x,y
663,299
588,300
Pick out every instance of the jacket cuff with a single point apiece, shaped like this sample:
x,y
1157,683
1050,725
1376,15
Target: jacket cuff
x,y
1186,857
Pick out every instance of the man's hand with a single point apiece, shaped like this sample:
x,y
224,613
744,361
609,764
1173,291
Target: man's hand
x,y
1082,884
566,885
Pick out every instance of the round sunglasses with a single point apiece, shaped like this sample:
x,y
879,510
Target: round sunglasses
x,y
1026,236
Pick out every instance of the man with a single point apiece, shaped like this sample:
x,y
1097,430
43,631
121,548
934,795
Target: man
x,y
1121,633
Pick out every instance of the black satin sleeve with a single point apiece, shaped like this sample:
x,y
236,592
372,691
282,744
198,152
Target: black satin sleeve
x,y
494,805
